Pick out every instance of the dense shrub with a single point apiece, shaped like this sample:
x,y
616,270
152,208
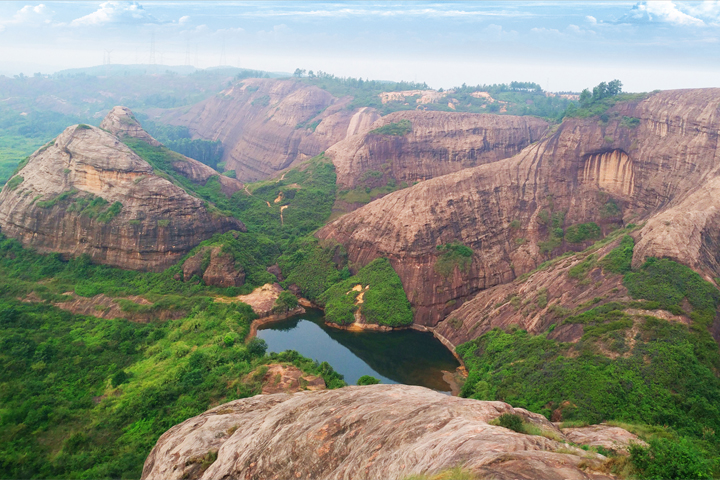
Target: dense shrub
x,y
367,380
384,300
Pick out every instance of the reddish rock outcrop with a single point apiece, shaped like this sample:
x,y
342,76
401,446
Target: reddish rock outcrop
x,y
536,302
281,378
603,435
438,143
220,271
378,431
88,193
651,158
121,122
265,125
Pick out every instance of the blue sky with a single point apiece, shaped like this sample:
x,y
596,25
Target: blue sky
x,y
561,45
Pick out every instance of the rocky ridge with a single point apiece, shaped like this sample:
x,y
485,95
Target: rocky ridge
x,y
266,125
653,160
378,431
121,122
88,193
437,143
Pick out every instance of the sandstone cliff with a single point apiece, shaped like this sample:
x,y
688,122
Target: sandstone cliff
x,y
121,122
378,431
438,143
265,125
653,160
88,193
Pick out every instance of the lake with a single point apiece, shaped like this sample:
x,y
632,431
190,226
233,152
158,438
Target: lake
x,y
405,356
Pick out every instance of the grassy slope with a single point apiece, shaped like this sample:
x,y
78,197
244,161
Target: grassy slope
x,y
666,375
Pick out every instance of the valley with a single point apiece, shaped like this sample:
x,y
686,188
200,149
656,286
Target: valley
x,y
253,246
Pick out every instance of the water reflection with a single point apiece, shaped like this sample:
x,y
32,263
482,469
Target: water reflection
x,y
406,356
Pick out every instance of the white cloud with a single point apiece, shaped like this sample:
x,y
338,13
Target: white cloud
x,y
591,19
664,11
183,20
547,32
575,30
31,15
118,13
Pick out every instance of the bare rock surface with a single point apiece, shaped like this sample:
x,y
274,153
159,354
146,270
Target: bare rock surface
x,y
262,299
146,222
266,125
606,436
661,167
535,303
121,122
378,431
281,378
102,306
438,143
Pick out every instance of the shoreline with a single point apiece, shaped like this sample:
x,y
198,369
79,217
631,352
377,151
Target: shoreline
x,y
353,327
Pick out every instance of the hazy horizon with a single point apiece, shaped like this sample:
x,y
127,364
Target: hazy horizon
x,y
563,46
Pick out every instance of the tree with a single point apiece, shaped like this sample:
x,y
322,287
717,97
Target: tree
x,y
299,72
585,98
614,87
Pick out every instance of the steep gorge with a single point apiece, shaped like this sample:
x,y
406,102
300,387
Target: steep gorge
x,y
266,125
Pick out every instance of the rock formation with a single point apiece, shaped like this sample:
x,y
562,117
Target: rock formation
x,y
654,159
265,125
220,269
378,431
121,122
88,193
438,143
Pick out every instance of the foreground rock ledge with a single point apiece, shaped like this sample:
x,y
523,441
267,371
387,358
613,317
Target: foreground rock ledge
x,y
372,432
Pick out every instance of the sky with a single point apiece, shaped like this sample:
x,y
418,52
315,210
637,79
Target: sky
x,y
562,45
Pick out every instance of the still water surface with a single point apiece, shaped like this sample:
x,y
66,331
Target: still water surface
x,y
405,356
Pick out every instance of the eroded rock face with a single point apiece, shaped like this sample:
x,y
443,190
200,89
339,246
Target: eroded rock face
x,y
265,125
606,436
138,220
378,431
535,303
439,143
220,270
121,122
281,378
664,169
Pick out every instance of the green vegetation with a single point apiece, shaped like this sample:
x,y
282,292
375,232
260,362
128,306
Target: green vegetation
x,y
313,267
515,98
88,398
630,122
367,380
58,199
453,255
670,458
582,232
511,421
14,182
602,97
668,283
396,129
665,376
619,260
178,139
285,303
262,101
384,301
